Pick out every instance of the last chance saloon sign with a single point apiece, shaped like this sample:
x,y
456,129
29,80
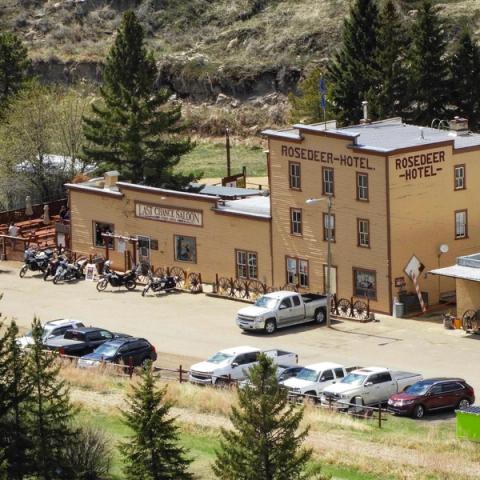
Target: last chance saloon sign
x,y
163,213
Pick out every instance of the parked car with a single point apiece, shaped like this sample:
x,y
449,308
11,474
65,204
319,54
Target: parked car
x,y
313,379
51,329
284,372
129,351
82,340
234,363
431,395
370,386
281,309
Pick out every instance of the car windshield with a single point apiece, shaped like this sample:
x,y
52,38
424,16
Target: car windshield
x,y
266,302
353,379
307,374
219,357
418,389
107,350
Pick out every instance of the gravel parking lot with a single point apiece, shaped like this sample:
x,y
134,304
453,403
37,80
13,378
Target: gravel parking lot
x,y
186,328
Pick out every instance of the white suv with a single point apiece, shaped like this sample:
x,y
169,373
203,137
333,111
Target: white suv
x,y
51,329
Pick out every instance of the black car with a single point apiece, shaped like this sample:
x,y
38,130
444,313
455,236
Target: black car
x,y
128,351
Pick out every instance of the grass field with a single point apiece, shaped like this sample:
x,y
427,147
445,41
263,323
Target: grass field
x,y
208,160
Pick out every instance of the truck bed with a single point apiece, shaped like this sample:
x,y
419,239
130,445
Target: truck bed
x,y
310,297
400,375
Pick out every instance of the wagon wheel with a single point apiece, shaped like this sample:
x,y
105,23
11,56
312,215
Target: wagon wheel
x,y
194,282
360,310
469,320
143,269
344,307
179,274
224,287
160,272
255,289
239,290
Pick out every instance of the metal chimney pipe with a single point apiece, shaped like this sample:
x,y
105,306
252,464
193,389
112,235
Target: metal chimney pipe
x,y
365,110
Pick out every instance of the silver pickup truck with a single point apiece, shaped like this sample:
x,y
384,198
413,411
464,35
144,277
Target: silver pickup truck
x,y
281,309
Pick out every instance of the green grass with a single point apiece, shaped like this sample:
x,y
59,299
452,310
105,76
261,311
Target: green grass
x,y
210,159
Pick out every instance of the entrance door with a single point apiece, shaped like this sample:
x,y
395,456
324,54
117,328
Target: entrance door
x,y
143,247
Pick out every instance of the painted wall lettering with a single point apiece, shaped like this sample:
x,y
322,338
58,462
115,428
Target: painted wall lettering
x,y
163,213
420,166
326,157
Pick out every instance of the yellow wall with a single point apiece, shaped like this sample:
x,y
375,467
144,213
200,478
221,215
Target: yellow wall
x,y
345,252
216,241
468,296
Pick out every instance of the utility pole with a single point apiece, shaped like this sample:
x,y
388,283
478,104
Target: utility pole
x,y
227,145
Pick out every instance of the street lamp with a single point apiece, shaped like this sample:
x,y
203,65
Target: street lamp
x,y
316,201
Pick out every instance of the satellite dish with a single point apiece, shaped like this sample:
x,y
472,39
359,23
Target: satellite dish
x,y
443,248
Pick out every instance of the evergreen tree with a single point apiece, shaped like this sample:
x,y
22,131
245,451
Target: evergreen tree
x,y
264,443
14,65
465,72
152,453
429,67
390,97
50,411
352,72
134,130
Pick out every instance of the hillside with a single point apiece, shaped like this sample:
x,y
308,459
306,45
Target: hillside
x,y
242,48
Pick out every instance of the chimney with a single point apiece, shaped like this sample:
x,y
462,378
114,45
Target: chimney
x,y
365,118
458,125
111,179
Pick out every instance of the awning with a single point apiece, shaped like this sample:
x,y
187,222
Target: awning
x,y
458,271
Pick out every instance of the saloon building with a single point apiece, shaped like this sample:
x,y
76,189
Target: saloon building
x,y
399,193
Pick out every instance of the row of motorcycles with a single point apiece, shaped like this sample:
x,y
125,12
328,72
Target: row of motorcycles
x,y
53,265
59,267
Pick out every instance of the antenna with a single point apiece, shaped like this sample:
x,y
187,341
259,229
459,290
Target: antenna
x,y
422,136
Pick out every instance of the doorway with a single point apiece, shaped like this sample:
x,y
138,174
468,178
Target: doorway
x,y
143,249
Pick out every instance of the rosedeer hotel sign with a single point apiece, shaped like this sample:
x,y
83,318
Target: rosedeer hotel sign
x,y
164,213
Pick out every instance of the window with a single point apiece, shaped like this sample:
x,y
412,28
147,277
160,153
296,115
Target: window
x,y
459,173
185,249
286,303
436,390
363,232
246,264
328,184
100,229
295,221
294,175
329,228
339,372
297,272
365,283
327,375
296,301
461,227
362,186
451,387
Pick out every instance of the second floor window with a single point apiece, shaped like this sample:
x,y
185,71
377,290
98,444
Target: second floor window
x,y
363,233
461,226
328,227
294,175
459,177
295,221
328,183
362,186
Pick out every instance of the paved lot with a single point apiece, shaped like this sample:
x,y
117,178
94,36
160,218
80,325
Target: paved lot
x,y
185,328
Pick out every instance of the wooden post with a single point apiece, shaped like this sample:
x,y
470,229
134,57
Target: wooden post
x,y
216,283
106,248
130,367
180,374
380,417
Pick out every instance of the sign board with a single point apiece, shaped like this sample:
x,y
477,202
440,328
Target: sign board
x,y
414,267
164,213
400,282
239,181
90,271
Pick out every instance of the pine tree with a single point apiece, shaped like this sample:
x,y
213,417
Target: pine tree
x,y
352,72
390,98
429,88
264,443
152,452
465,72
134,129
14,65
50,410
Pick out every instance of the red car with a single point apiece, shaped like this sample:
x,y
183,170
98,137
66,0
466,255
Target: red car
x,y
431,395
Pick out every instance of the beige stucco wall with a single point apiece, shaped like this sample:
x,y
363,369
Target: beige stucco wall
x,y
345,253
468,296
216,240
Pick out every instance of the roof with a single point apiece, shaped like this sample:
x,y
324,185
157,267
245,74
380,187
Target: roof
x,y
238,350
319,367
371,370
62,321
441,379
87,329
226,192
384,136
257,206
279,294
466,268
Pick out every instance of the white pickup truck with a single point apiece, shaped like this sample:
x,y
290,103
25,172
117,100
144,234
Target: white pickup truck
x,y
372,385
313,379
234,363
281,309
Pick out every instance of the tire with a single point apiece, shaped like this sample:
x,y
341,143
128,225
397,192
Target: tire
x,y
55,280
46,275
131,285
23,271
145,290
463,403
102,285
320,316
418,411
270,326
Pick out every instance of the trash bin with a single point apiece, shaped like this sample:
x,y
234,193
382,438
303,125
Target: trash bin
x,y
468,423
398,309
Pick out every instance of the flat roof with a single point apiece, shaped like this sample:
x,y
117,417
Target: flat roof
x,y
384,136
226,192
466,268
257,206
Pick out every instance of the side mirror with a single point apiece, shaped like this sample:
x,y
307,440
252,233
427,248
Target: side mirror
x,y
368,384
322,379
234,365
282,307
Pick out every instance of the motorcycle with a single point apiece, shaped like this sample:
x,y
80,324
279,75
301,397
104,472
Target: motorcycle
x,y
52,267
115,279
35,261
167,283
69,271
